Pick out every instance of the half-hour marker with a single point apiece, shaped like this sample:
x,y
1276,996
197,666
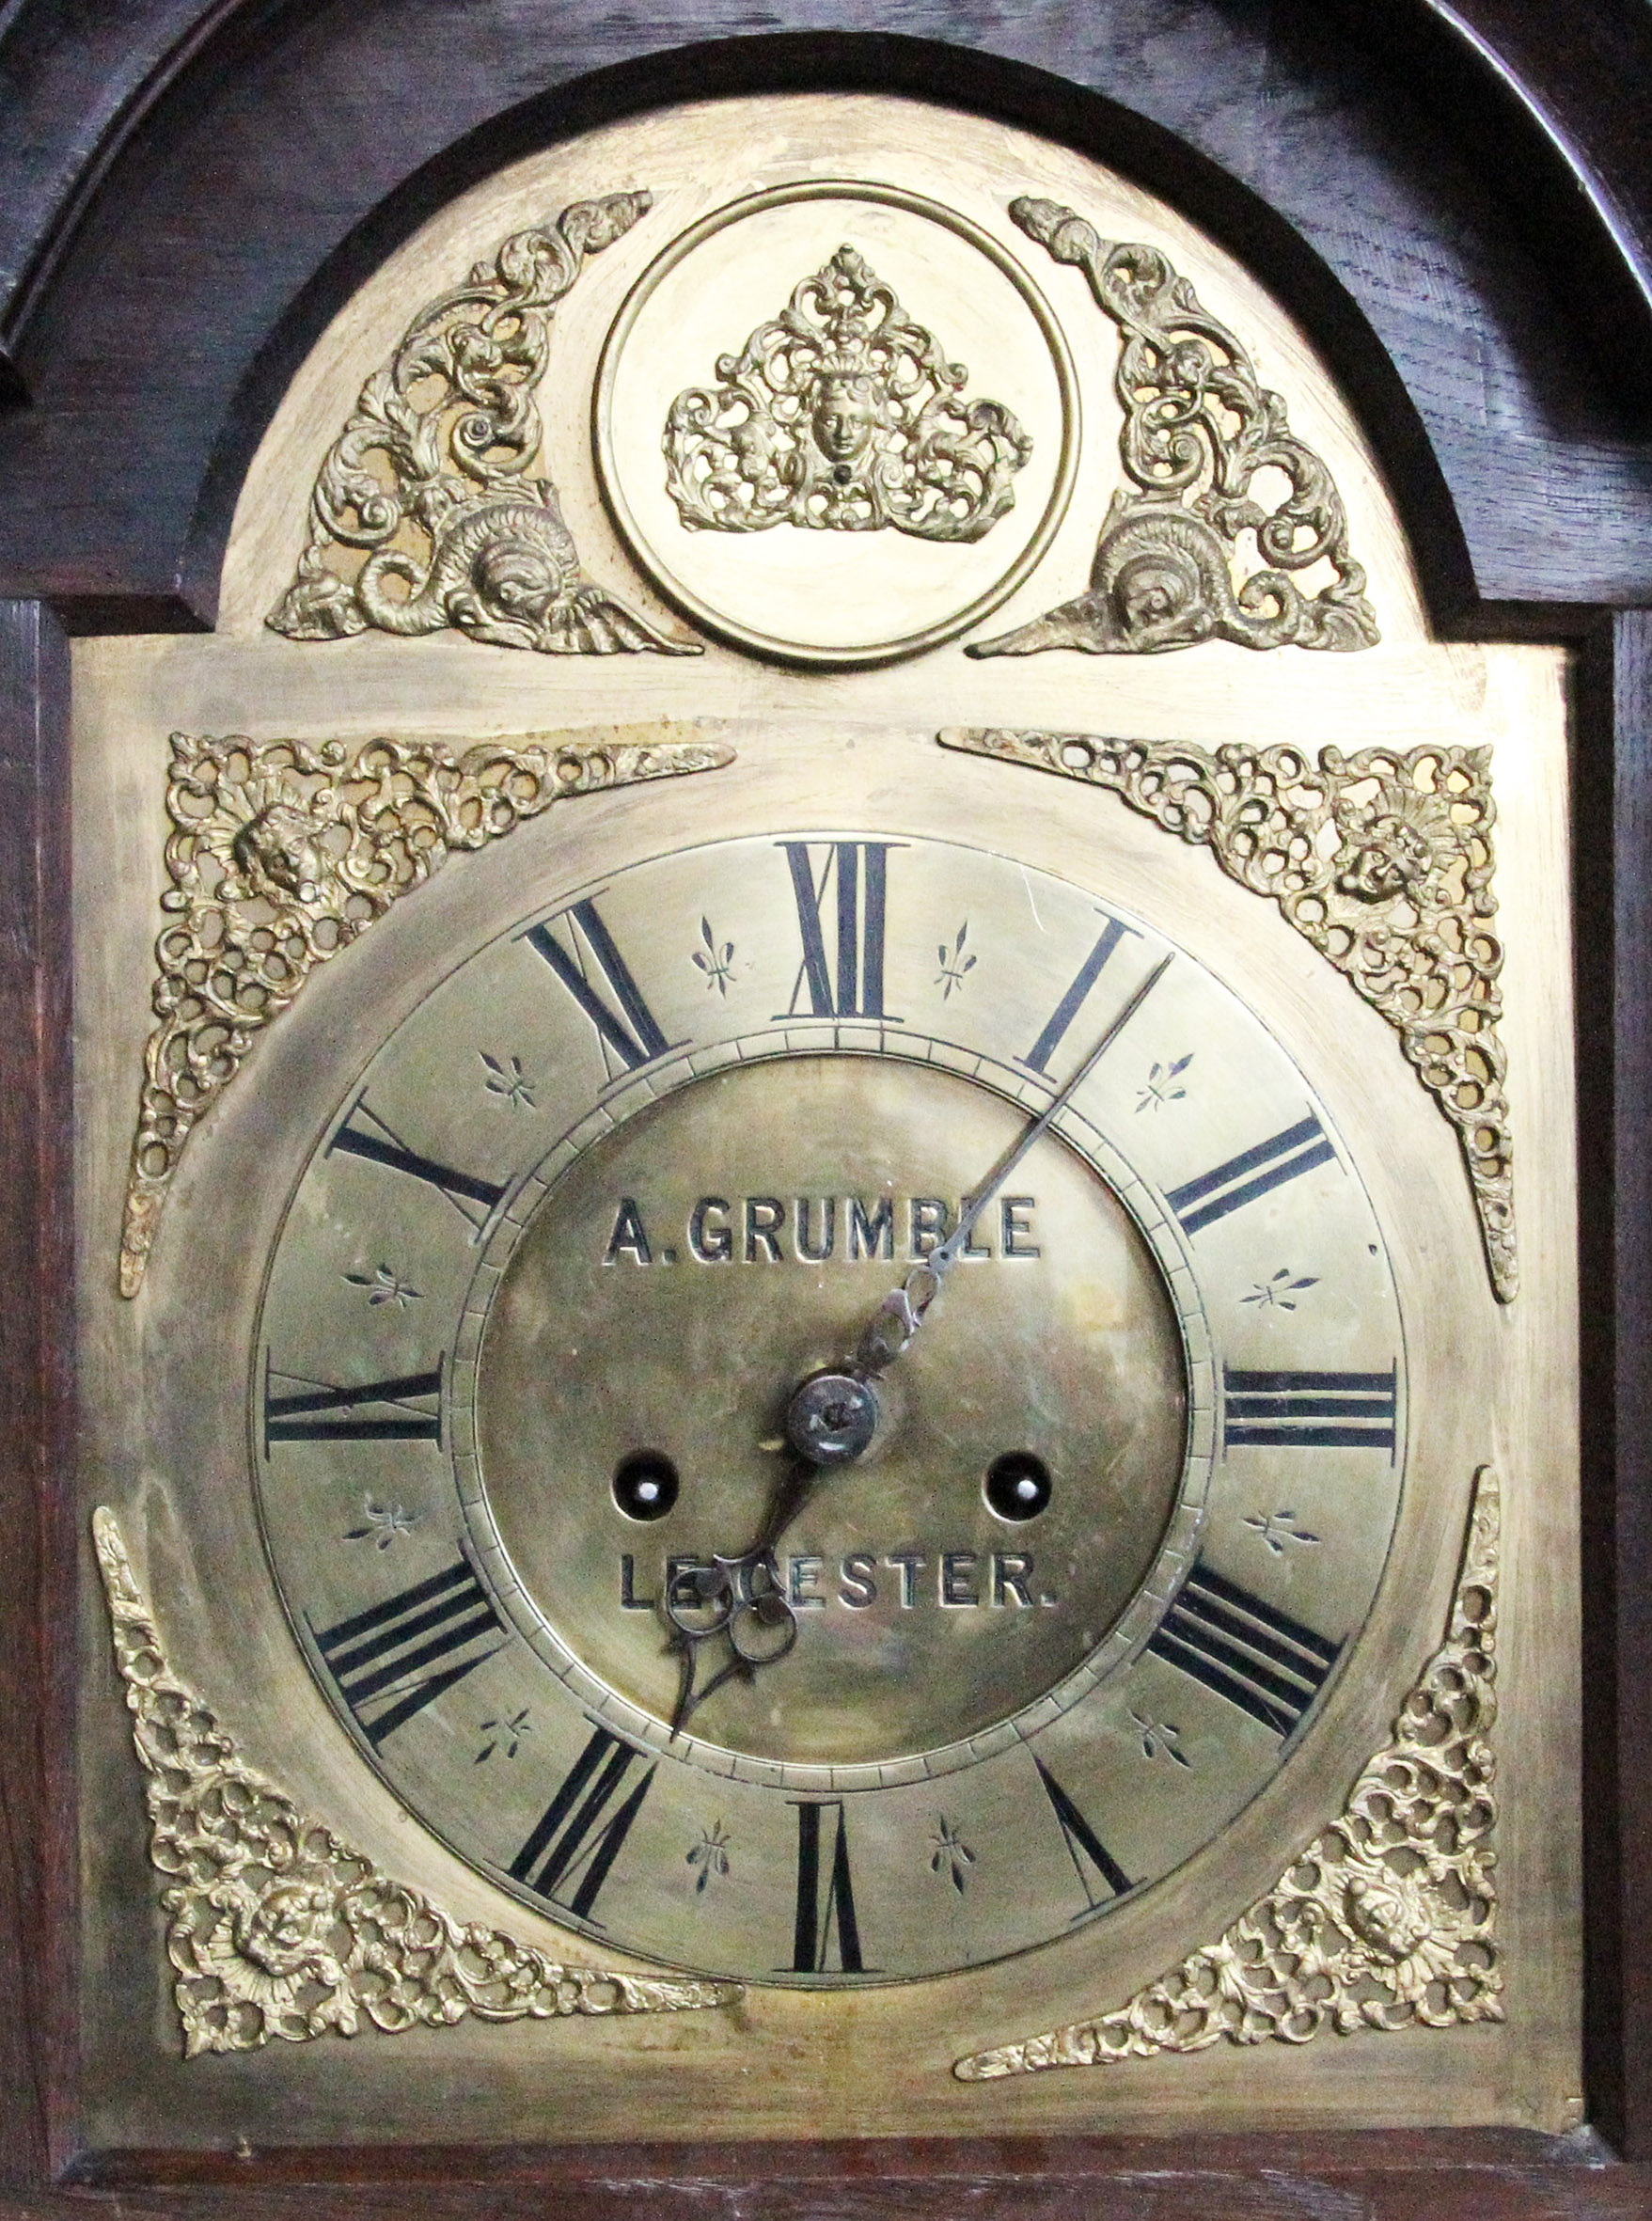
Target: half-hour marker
x,y
1309,1410
597,976
848,983
826,1917
407,1409
365,1134
380,1653
1228,1186
1259,1658
577,1838
1066,1010
1089,1854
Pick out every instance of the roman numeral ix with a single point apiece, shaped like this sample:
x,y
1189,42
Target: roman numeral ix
x,y
1309,1410
825,1898
577,1838
380,1654
1253,1173
1259,1658
405,1409
849,982
365,1134
592,968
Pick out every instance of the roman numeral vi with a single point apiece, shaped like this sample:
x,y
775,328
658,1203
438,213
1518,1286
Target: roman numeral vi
x,y
825,1898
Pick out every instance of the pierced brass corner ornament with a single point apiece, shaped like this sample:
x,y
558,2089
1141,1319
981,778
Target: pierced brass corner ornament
x,y
1169,568
1383,860
282,853
1385,1920
841,415
424,516
278,1930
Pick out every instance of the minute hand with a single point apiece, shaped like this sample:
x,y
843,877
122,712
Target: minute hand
x,y
898,1317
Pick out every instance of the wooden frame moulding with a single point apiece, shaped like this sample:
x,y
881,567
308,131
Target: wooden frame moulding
x,y
1527,94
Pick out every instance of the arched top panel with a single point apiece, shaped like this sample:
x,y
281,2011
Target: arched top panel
x,y
254,197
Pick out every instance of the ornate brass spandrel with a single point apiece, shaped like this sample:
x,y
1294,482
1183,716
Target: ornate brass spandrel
x,y
425,515
276,1928
1383,861
1173,566
283,852
1387,1920
842,414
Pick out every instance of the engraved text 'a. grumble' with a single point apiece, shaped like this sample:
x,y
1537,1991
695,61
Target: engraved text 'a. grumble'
x,y
810,1230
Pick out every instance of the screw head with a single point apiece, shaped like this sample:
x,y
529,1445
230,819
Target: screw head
x,y
831,1419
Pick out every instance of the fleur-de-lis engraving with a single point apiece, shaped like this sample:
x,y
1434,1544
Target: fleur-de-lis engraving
x,y
950,1854
383,1522
1158,1738
385,1286
955,965
1161,1087
1279,1292
1278,1528
508,1080
718,964
709,1854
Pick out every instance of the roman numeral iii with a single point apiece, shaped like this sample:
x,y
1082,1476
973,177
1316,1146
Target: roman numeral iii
x,y
1228,1186
825,1898
380,1654
577,1838
405,1409
1259,1658
589,965
852,884
1309,1410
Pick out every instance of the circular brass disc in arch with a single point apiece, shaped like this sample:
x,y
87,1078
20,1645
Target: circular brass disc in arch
x,y
837,491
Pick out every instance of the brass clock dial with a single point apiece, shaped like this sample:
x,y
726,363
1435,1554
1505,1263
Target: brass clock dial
x,y
625,1181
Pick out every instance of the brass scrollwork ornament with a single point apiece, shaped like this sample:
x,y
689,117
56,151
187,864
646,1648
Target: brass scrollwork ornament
x,y
1385,1920
277,1929
841,415
282,853
1383,861
424,515
1171,567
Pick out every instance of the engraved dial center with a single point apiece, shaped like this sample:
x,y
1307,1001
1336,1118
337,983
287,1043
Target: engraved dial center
x,y
691,1288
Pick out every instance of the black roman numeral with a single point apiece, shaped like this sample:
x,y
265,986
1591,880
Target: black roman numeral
x,y
409,1410
1066,1010
825,1899
577,1838
1259,1658
371,1655
1251,1174
855,873
1309,1410
473,1198
1084,1846
590,963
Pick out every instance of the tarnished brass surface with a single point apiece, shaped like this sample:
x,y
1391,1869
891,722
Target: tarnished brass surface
x,y
1073,1353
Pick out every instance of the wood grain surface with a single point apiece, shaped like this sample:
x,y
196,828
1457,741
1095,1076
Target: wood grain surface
x,y
1456,203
